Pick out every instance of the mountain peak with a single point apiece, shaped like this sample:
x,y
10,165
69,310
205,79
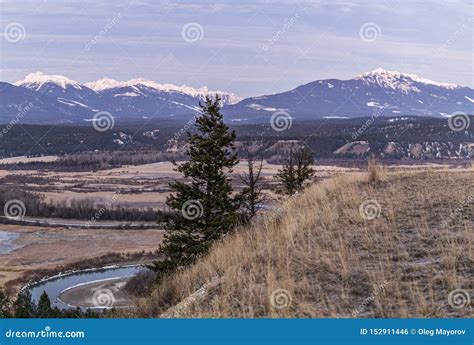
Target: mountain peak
x,y
103,84
38,79
379,70
107,83
398,80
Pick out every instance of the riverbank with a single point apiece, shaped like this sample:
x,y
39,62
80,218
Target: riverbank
x,y
48,251
94,288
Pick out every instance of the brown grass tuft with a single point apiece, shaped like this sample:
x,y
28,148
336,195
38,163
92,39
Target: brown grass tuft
x,y
373,171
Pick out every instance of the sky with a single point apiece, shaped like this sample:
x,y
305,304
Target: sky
x,y
246,47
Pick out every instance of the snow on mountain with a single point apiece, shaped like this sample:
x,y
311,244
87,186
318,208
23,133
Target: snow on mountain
x,y
65,100
398,81
26,105
380,92
57,99
107,83
36,80
103,84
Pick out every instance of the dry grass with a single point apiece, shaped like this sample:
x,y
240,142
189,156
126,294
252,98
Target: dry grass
x,y
334,263
373,170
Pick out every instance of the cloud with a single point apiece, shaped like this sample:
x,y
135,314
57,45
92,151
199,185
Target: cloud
x,y
322,42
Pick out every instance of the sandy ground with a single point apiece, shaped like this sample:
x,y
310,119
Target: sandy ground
x,y
42,247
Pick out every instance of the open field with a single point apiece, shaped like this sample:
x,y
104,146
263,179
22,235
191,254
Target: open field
x,y
23,159
143,186
344,248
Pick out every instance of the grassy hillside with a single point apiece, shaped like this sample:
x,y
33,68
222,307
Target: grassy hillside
x,y
318,255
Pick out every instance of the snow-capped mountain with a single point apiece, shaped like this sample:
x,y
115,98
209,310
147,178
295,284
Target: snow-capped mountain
x,y
379,92
398,81
108,84
62,89
36,81
57,99
22,104
66,100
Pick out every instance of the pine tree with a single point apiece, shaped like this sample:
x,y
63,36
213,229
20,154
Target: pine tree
x,y
44,309
297,170
287,176
23,306
204,208
4,306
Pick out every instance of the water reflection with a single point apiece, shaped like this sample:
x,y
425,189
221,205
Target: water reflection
x,y
55,286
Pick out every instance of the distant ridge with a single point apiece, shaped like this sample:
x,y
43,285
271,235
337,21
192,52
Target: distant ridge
x,y
58,99
379,92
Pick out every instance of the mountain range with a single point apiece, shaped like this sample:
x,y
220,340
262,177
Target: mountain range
x,y
41,98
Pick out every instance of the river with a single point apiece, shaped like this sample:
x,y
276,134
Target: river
x,y
56,285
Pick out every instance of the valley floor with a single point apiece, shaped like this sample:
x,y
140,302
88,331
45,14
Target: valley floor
x,y
44,248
